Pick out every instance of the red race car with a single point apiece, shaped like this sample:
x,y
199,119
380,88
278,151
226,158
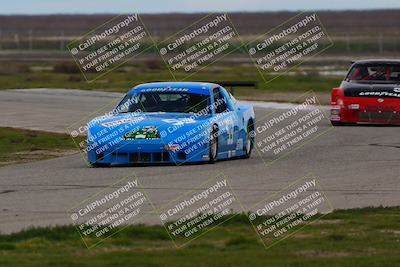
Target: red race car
x,y
370,93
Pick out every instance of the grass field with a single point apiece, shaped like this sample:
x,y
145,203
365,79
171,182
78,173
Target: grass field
x,y
358,237
66,75
17,145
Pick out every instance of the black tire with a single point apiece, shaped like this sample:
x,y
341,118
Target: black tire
x,y
213,151
250,137
339,123
99,165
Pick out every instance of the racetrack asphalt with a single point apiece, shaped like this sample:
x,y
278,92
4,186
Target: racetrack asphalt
x,y
357,166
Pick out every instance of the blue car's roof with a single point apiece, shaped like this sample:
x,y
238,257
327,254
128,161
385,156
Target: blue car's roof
x,y
190,87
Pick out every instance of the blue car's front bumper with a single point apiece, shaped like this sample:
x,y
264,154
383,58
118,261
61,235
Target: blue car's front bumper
x,y
131,152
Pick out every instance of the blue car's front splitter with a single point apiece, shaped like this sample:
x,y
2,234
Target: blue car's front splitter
x,y
129,153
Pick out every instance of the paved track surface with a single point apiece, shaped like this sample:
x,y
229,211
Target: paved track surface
x,y
357,166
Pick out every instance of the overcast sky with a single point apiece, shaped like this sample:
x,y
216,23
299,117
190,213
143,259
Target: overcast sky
x,y
164,6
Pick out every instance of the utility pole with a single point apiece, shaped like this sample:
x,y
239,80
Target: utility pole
x,y
30,40
16,39
62,40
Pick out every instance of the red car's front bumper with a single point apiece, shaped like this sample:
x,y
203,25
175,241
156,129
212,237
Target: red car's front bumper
x,y
366,110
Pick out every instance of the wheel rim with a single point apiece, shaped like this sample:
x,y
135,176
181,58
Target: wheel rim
x,y
249,142
214,148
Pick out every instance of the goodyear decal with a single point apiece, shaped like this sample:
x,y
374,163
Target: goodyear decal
x,y
122,121
164,89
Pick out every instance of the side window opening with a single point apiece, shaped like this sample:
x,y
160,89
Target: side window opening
x,y
220,102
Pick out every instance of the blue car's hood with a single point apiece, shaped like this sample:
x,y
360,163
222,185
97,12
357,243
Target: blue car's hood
x,y
169,124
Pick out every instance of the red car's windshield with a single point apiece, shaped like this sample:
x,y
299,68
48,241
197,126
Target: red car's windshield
x,y
375,72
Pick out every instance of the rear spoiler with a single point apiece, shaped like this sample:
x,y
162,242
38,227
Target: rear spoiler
x,y
232,85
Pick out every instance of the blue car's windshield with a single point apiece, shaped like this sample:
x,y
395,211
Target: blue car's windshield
x,y
165,102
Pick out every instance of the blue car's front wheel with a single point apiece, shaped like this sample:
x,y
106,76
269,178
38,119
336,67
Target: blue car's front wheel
x,y
213,154
99,165
250,137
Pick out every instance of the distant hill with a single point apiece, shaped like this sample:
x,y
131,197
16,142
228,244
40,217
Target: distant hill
x,y
338,23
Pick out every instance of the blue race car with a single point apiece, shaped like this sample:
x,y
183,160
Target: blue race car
x,y
172,122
